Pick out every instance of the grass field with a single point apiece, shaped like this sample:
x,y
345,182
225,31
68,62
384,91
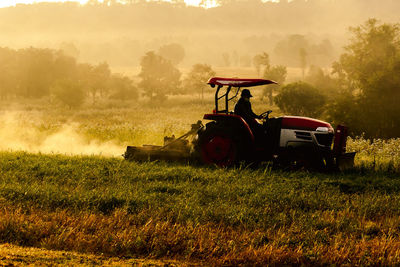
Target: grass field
x,y
70,190
118,208
12,255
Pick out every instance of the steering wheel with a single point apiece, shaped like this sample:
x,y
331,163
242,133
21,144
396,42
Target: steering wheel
x,y
266,114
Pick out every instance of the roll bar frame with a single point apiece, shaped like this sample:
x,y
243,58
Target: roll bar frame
x,y
226,96
232,82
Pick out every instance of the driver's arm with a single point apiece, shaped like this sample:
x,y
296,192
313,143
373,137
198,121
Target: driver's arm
x,y
252,114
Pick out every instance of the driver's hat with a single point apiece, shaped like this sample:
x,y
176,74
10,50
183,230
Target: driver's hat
x,y
246,93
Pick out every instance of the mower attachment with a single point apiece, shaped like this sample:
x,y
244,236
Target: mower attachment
x,y
174,149
152,153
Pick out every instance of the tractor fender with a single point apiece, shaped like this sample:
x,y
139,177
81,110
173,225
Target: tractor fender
x,y
235,122
228,127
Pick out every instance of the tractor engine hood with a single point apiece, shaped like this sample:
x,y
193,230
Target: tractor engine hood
x,y
306,124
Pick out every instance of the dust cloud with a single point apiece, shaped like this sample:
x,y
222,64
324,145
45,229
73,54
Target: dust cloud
x,y
16,136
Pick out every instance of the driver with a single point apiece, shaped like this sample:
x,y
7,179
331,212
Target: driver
x,y
243,108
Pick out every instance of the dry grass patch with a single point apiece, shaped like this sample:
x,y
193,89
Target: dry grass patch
x,y
12,255
120,235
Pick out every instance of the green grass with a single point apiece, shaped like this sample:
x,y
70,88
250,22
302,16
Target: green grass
x,y
192,213
238,197
285,210
122,123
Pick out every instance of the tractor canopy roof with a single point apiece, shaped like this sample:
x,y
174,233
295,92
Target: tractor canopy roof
x,y
236,82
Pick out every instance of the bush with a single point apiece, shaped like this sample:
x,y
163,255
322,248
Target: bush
x,y
300,99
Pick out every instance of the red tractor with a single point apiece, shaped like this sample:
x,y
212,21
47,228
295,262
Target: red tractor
x,y
227,140
287,140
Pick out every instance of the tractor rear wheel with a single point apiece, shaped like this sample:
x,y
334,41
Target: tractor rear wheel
x,y
219,147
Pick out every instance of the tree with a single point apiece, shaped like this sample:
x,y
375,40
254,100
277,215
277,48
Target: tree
x,y
369,72
8,72
300,99
102,74
196,79
65,67
303,61
95,79
288,51
277,74
260,60
123,88
322,53
69,92
35,74
326,84
173,52
159,76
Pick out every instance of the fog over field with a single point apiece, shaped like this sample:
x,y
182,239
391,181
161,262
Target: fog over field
x,y
121,33
66,139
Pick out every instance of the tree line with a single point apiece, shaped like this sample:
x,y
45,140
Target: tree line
x,y
37,72
127,15
229,34
363,88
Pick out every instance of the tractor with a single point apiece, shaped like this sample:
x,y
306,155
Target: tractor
x,y
227,139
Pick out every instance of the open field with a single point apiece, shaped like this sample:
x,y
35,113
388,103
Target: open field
x,y
108,127
78,194
102,129
159,210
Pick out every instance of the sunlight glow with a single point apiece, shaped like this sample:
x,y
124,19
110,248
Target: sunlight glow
x,y
192,2
8,3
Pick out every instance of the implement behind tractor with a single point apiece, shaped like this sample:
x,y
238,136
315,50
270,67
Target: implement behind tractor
x,y
287,141
174,149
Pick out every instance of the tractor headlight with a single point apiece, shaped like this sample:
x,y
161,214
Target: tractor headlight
x,y
324,130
